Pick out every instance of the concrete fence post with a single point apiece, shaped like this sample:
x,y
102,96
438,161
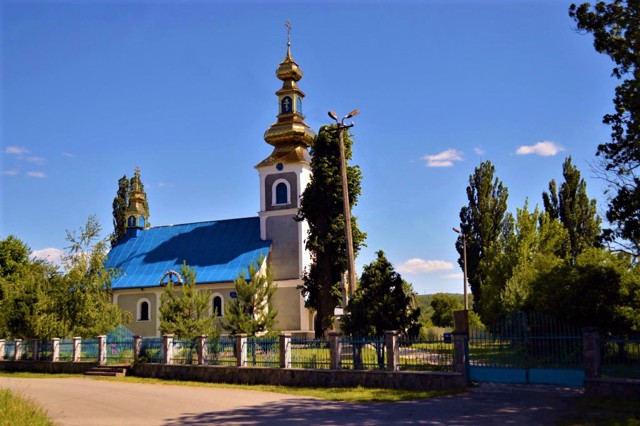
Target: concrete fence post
x,y
461,354
17,353
202,349
241,350
35,345
77,348
137,346
102,350
167,346
285,350
2,354
592,351
392,342
55,349
335,349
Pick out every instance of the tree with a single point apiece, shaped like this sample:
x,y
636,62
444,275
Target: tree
x,y
615,27
573,208
322,208
382,302
187,313
121,202
252,312
84,294
443,306
482,222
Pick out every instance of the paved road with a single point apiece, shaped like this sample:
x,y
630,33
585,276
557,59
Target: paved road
x,y
84,401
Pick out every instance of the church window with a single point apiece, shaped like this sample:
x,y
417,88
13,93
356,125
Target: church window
x,y
141,221
281,192
131,221
286,106
144,310
218,305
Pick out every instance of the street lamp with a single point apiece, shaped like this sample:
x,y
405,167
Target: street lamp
x,y
345,197
464,262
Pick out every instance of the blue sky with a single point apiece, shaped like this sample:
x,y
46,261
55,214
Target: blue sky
x,y
185,91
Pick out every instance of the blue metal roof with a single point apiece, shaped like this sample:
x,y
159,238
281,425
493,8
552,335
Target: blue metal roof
x,y
218,251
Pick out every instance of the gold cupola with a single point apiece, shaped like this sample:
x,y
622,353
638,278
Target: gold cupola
x,y
136,213
290,135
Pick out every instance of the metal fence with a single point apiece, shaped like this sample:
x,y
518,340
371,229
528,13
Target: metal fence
x,y
66,350
221,351
426,355
185,351
45,352
151,350
89,350
120,351
363,353
310,353
621,357
263,351
9,350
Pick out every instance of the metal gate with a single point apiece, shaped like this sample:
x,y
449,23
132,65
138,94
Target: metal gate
x,y
527,348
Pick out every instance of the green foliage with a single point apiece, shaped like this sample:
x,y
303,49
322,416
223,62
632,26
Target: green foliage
x,y
252,311
322,208
443,306
187,313
615,26
481,221
121,202
17,410
573,208
383,302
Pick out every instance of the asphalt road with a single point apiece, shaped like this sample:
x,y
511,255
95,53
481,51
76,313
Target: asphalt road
x,y
88,402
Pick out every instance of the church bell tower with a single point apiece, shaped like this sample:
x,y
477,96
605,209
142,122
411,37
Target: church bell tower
x,y
285,173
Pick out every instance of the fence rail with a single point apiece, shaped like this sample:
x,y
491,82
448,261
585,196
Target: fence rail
x,y
621,357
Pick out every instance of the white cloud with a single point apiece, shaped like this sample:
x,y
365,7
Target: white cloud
x,y
478,150
36,174
11,172
543,148
456,276
443,159
15,150
52,255
68,154
35,160
419,266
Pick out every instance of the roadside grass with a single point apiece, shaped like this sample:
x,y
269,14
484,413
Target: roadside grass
x,y
603,412
357,394
16,410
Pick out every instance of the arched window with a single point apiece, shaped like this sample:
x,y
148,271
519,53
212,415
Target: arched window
x,y
218,305
281,192
144,310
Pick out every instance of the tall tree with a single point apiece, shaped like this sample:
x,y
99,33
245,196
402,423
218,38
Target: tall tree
x,y
382,302
615,27
575,210
187,312
121,202
252,310
322,208
443,306
482,222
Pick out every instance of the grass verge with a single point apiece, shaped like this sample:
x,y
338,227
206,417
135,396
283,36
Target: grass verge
x,y
15,410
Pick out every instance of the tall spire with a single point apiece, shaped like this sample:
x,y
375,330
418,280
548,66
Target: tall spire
x,y
290,135
136,213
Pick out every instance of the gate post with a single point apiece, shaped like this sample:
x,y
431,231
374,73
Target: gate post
x,y
17,353
393,349
461,354
335,350
592,347
102,350
285,350
77,348
241,350
137,346
202,349
55,349
167,342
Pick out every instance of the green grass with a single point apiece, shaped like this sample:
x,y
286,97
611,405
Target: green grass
x,y
15,410
603,412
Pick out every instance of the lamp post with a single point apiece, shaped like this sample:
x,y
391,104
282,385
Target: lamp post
x,y
345,198
464,261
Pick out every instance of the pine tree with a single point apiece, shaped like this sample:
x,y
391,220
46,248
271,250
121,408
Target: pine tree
x,y
252,312
322,208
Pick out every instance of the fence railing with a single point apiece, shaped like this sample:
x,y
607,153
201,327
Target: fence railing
x,y
621,357
426,355
310,353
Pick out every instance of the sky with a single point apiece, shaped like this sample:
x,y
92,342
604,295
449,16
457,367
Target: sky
x,y
186,89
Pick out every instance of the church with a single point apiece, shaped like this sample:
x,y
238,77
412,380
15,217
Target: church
x,y
219,250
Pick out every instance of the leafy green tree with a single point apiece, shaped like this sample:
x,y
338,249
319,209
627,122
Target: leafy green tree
x,y
187,312
121,202
482,222
575,210
322,208
615,26
382,302
84,296
252,312
443,306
